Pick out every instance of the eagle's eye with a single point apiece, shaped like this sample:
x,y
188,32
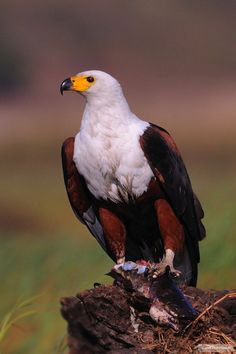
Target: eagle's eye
x,y
90,79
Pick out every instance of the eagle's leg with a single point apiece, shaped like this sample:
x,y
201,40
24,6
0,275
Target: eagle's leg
x,y
172,233
115,234
167,261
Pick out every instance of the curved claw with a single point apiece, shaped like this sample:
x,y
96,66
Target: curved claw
x,y
164,267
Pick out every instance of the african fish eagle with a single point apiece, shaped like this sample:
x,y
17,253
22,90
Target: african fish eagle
x,y
127,182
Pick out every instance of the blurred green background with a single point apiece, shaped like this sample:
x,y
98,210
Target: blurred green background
x,y
177,64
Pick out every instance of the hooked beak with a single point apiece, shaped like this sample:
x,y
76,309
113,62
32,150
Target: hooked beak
x,y
66,85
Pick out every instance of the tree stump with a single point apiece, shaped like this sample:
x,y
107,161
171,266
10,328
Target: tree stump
x,y
118,318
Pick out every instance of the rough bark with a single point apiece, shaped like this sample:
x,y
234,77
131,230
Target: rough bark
x,y
116,319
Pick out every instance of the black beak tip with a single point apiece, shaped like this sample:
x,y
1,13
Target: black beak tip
x,y
65,85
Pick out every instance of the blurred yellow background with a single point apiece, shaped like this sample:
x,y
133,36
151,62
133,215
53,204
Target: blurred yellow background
x,y
176,62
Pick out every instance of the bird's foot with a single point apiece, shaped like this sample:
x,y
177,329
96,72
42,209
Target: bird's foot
x,y
166,262
120,261
157,269
162,267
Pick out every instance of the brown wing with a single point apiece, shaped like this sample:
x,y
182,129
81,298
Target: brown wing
x,y
78,193
168,166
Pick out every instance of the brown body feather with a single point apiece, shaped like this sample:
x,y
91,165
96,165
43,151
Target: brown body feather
x,y
167,215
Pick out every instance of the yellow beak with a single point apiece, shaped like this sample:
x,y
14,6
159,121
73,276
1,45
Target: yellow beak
x,y
76,83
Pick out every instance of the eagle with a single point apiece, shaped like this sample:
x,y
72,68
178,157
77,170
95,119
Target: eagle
x,y
127,182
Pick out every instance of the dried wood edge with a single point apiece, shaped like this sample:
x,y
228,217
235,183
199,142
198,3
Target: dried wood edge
x,y
193,324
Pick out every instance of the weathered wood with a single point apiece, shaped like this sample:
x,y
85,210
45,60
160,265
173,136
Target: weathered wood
x,y
115,319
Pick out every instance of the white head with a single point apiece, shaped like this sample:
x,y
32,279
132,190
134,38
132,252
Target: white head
x,y
93,83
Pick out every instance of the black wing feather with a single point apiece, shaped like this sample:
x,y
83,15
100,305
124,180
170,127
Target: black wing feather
x,y
165,159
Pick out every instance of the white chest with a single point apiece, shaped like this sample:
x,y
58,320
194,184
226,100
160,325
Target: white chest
x,y
114,165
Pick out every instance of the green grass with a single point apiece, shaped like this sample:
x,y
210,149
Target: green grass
x,y
53,267
21,310
45,251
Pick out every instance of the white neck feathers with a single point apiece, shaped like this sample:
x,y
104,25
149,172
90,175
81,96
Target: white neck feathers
x,y
107,151
108,110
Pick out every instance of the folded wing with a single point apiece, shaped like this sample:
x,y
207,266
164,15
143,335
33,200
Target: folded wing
x,y
168,167
79,196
